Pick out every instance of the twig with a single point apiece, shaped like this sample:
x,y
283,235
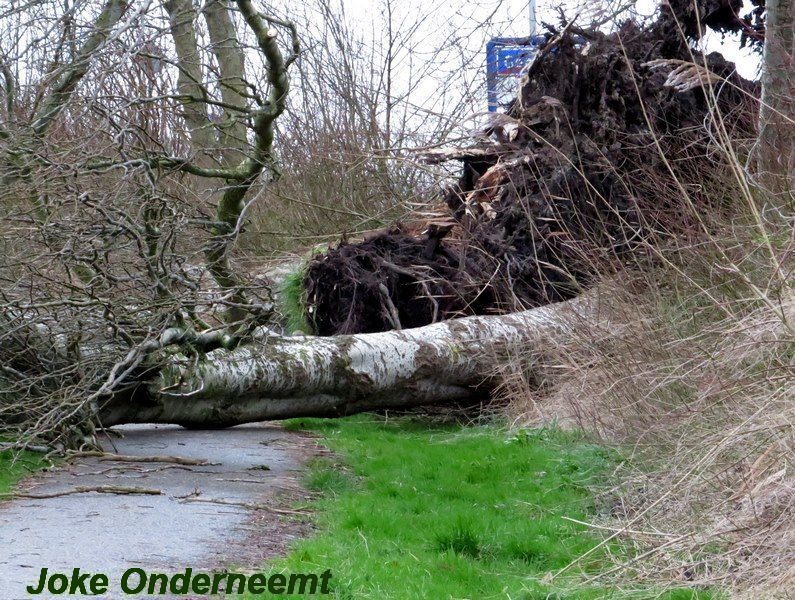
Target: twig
x,y
249,505
619,529
100,489
196,492
24,446
138,470
108,456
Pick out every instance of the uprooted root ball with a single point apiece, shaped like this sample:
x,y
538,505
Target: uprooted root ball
x,y
604,148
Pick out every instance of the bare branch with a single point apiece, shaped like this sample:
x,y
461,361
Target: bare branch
x,y
62,90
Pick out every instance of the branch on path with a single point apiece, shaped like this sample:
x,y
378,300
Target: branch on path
x,y
248,505
108,456
99,489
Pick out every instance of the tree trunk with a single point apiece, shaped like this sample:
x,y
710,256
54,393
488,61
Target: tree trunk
x,y
776,152
284,377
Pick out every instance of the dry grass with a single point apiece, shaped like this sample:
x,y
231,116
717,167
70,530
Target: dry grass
x,y
701,397
699,386
691,369
708,417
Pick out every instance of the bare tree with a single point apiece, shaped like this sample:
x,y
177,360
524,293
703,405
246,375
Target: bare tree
x,y
117,201
370,86
136,135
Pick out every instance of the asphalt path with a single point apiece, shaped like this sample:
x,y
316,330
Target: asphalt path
x,y
235,512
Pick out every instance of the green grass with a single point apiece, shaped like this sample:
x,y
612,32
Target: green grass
x,y
16,465
414,510
292,302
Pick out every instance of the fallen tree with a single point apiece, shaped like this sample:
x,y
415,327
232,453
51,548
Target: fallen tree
x,y
283,377
127,305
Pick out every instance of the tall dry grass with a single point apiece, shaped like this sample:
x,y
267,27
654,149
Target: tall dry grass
x,y
691,370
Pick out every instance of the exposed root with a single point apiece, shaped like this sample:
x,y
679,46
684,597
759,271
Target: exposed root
x,y
568,181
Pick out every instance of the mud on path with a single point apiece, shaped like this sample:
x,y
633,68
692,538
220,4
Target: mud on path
x,y
108,533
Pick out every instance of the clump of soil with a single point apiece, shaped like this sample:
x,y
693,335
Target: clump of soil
x,y
392,280
586,164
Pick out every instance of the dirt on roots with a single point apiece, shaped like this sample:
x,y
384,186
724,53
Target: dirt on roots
x,y
587,162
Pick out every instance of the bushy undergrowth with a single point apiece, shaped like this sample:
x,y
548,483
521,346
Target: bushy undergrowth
x,y
328,189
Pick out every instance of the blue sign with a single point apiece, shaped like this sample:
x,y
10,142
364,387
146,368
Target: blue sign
x,y
505,60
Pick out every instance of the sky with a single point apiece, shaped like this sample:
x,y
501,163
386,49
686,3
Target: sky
x,y
453,83
512,18
439,78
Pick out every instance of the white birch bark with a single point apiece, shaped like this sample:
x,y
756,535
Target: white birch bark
x,y
283,377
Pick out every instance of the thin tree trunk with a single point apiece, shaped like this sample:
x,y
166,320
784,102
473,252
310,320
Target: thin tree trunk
x,y
243,162
182,17
231,68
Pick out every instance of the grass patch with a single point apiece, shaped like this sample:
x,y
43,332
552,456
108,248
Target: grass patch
x,y
430,511
15,465
292,302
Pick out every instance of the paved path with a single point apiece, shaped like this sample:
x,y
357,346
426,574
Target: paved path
x,y
111,533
